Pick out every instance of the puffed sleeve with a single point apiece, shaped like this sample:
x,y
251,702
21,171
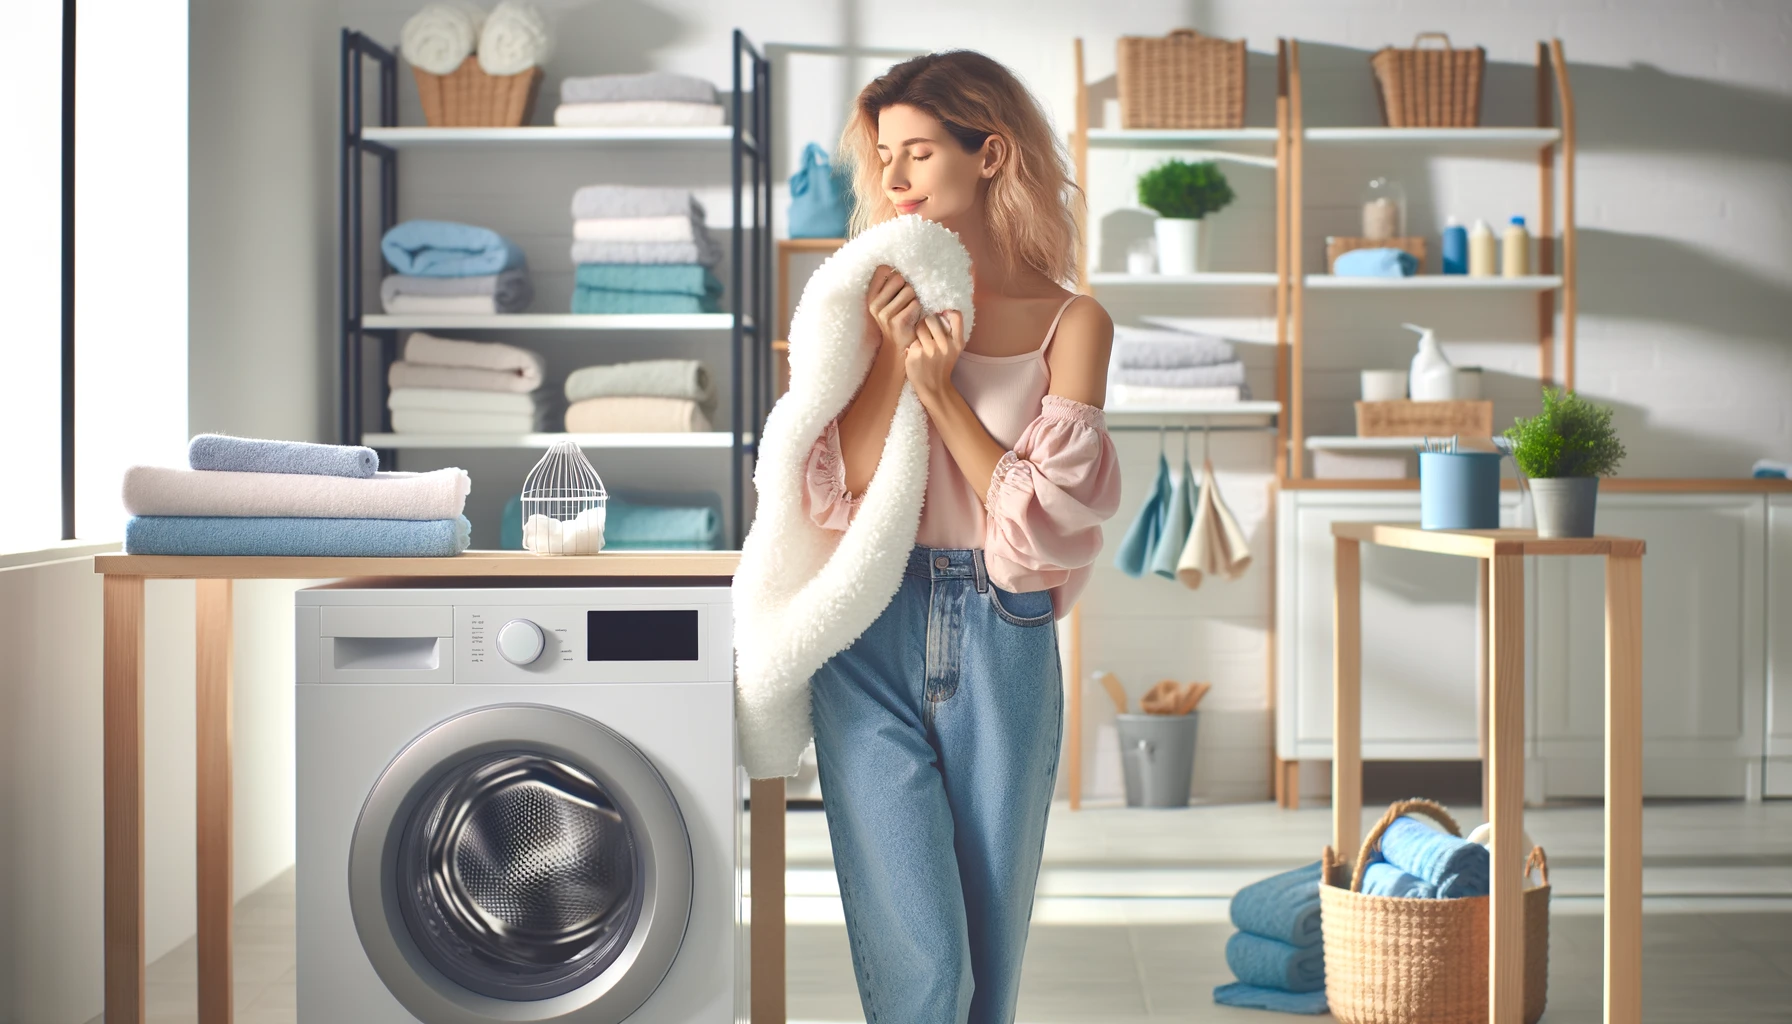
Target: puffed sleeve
x,y
1049,496
824,480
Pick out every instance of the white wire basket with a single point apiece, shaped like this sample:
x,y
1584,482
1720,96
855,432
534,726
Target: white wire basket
x,y
563,504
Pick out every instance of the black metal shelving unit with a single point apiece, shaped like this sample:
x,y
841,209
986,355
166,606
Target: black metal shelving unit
x,y
749,149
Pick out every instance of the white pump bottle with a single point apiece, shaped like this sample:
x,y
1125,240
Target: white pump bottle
x,y
1433,377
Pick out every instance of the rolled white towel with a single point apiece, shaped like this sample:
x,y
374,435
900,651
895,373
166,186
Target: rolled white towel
x,y
514,40
441,35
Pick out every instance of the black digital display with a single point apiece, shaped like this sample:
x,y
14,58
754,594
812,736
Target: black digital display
x,y
641,635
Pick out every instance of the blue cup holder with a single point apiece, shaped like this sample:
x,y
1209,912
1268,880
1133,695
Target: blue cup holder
x,y
1459,490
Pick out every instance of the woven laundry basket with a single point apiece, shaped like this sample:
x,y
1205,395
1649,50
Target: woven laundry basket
x,y
1397,960
1429,88
469,98
1182,80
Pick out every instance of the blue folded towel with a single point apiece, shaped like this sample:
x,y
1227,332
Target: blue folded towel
x,y
1267,963
440,248
677,278
1254,997
352,538
249,455
1283,907
1375,263
1457,867
1383,879
1769,469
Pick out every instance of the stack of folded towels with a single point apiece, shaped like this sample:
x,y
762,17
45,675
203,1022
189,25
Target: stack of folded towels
x,y
658,99
250,497
443,267
646,525
445,386
642,249
1420,862
1278,952
1156,368
644,396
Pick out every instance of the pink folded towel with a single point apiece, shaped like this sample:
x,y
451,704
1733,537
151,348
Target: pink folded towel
x,y
164,491
635,414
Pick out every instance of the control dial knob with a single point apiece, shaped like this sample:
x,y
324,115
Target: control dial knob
x,y
520,641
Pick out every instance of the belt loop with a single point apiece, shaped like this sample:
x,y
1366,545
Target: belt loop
x,y
982,573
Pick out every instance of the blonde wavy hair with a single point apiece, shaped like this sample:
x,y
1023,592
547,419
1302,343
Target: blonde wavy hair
x,y
1032,205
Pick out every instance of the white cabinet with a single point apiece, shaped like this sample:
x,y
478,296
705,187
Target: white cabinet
x,y
1779,646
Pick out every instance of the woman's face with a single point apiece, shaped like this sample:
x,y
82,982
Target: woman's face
x,y
926,171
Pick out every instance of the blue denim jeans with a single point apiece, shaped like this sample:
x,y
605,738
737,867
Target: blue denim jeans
x,y
937,736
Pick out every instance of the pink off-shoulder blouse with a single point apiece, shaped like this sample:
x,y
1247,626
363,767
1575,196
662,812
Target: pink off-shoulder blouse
x,y
1040,528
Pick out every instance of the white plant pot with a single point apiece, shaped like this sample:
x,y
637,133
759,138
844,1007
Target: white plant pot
x,y
1178,245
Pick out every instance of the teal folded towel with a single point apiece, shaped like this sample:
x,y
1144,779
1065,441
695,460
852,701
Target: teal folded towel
x,y
1375,263
1267,963
350,538
440,248
1254,997
1769,469
1383,879
601,301
1284,907
677,278
250,455
1455,866
1147,529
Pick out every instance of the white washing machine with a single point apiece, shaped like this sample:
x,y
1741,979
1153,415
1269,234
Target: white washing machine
x,y
518,805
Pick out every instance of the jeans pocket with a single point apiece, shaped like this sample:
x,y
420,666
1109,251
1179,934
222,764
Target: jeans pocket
x,y
1032,608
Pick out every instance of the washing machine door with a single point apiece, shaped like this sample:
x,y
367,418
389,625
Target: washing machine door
x,y
521,863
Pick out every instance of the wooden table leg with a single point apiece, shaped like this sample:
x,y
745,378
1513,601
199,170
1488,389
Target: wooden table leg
x,y
768,901
1505,970
213,848
1347,701
1623,789
122,735
1483,651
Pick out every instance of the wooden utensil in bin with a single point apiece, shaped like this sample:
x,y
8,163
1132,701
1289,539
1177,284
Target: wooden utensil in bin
x,y
1172,698
1116,692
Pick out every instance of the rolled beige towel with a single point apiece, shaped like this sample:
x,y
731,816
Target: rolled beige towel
x,y
635,414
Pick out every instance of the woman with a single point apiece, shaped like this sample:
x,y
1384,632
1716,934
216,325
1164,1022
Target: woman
x,y
937,731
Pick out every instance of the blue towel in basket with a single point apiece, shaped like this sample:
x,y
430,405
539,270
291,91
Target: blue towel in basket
x,y
1267,963
1457,867
1383,879
249,455
1284,907
1256,997
254,535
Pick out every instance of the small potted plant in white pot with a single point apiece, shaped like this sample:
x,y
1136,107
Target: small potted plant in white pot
x,y
1563,451
1181,193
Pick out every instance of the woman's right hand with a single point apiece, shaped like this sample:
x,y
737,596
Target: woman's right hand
x,y
893,307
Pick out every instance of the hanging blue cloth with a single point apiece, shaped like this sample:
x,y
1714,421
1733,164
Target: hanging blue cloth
x,y
1179,518
1140,542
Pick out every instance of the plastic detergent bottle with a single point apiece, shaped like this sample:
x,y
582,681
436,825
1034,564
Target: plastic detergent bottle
x,y
1515,252
1433,379
1483,250
1455,255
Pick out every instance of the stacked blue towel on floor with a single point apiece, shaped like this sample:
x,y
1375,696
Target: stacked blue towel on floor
x,y
242,496
1278,953
642,249
440,267
1418,861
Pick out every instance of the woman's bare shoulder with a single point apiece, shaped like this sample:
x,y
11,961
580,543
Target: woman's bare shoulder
x,y
1079,353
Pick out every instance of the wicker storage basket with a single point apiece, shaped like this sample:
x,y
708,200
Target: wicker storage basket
x,y
1429,88
1395,960
1406,418
1338,245
470,98
1182,80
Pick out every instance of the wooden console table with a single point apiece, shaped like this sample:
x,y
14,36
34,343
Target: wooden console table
x,y
123,750
1501,556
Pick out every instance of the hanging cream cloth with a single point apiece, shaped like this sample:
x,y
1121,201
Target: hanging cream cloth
x,y
1216,546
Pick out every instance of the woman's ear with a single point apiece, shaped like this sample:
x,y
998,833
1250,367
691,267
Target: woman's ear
x,y
995,154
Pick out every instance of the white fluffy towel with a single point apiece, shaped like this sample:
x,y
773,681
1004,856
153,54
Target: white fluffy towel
x,y
515,39
803,593
441,35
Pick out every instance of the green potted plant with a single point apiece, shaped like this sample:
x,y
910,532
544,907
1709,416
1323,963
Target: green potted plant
x,y
1563,451
1181,193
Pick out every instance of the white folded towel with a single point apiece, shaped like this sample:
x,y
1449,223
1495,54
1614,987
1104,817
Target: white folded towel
x,y
165,491
476,355
401,304
436,421
515,39
423,375
441,35
635,229
462,400
638,114
1145,396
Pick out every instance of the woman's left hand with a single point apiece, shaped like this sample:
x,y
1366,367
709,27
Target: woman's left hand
x,y
928,362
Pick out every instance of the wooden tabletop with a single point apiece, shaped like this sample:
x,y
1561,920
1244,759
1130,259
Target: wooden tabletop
x,y
471,563
1483,543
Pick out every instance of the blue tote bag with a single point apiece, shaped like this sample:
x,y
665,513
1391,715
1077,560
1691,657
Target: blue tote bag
x,y
820,197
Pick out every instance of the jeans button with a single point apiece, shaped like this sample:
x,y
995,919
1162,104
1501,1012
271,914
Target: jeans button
x,y
941,561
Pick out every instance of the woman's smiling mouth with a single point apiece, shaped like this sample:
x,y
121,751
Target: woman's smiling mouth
x,y
908,206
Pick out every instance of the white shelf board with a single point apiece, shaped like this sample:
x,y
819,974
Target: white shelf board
x,y
707,439
1520,138
545,135
1354,443
550,321
1162,137
1193,415
1434,282
1224,279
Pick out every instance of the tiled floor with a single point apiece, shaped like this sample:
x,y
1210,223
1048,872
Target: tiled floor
x,y
1130,925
